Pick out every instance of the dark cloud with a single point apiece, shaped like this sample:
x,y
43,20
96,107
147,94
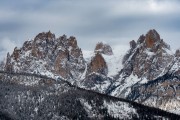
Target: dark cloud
x,y
116,22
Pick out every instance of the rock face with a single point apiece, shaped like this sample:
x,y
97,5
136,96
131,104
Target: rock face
x,y
132,44
103,48
177,54
8,65
150,74
162,92
96,76
152,37
48,55
149,58
98,65
60,57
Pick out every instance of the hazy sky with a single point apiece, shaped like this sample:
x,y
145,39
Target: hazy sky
x,y
90,21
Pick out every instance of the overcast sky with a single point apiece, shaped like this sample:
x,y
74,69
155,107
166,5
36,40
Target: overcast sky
x,y
90,21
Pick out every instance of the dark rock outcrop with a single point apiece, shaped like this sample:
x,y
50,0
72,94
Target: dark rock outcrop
x,y
103,48
132,44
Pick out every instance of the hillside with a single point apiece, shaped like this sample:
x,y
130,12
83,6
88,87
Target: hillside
x,y
51,99
148,73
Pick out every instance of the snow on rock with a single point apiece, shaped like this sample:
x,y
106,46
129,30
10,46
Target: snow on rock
x,y
124,88
172,105
105,69
103,48
87,54
143,81
119,110
149,53
48,55
102,87
84,74
148,59
114,62
96,82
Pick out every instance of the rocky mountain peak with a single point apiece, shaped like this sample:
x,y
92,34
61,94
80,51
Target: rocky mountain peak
x,y
45,36
152,42
47,54
148,55
103,48
72,42
16,53
141,39
151,38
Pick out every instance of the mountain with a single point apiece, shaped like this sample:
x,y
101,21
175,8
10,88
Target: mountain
x,y
162,92
48,55
148,73
146,60
32,96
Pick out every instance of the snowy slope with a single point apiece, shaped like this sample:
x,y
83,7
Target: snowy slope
x,y
114,62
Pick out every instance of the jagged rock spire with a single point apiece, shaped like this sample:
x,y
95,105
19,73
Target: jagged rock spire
x,y
98,65
103,48
60,56
45,36
151,38
132,44
148,57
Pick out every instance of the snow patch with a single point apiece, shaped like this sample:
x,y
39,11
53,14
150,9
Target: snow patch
x,y
87,54
150,54
125,88
143,81
114,62
172,105
119,110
